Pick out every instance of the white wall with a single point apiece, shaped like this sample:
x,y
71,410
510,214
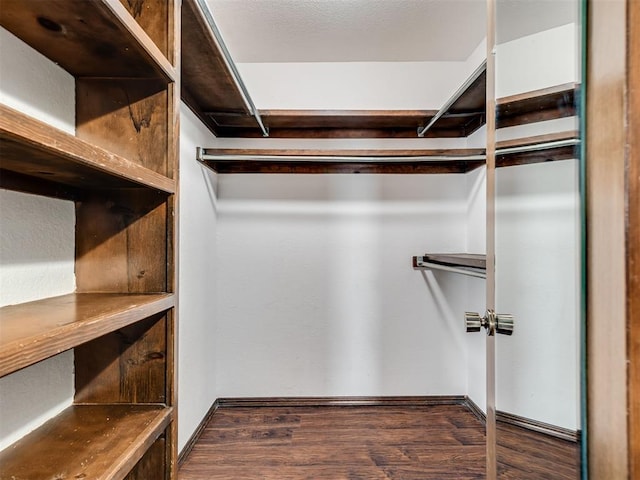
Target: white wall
x,y
317,295
197,279
36,240
537,61
357,85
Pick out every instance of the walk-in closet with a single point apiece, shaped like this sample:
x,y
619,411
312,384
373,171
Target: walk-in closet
x,y
319,239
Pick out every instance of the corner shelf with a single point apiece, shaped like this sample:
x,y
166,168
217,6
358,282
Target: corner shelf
x,y
100,442
342,161
32,148
471,264
98,38
33,331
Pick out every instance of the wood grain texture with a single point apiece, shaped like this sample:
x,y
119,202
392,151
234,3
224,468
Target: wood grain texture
x,y
633,233
401,442
606,252
34,149
428,442
527,455
151,463
206,82
88,39
537,106
130,118
128,365
98,442
33,331
122,243
153,18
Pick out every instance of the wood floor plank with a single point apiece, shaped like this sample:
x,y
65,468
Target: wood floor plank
x,y
436,442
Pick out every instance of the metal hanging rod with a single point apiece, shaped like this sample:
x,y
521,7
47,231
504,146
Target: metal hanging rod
x,y
469,271
201,155
235,75
474,76
538,146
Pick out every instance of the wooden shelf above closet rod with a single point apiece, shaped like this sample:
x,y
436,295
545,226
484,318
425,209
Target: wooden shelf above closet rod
x,y
538,149
341,161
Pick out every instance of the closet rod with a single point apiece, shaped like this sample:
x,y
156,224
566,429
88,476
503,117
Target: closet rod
x,y
538,146
437,266
474,76
235,75
202,156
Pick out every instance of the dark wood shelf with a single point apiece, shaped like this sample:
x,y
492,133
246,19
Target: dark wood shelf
x,y
207,84
333,124
34,331
97,38
538,149
100,442
538,105
31,148
343,161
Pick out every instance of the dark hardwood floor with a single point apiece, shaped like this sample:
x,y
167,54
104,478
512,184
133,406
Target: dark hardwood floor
x,y
351,443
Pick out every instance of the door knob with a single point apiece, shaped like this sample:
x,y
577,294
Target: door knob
x,y
472,321
501,323
504,323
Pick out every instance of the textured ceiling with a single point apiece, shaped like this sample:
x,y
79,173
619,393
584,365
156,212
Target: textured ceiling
x,y
350,30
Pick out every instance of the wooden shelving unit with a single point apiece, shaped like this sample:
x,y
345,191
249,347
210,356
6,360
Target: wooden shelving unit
x,y
120,169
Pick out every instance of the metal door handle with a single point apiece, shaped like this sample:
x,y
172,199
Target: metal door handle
x,y
501,323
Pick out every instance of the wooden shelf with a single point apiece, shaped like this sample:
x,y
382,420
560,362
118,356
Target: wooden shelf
x,y
207,84
538,149
99,442
329,124
465,263
342,161
34,149
97,38
537,105
33,331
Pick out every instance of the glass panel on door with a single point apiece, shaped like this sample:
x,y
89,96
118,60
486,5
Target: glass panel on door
x,y
538,239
